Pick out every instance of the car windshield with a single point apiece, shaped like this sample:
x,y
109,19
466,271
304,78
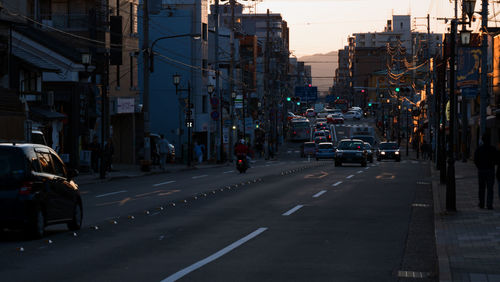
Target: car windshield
x,y
300,124
350,145
367,146
368,139
325,146
12,164
388,146
309,145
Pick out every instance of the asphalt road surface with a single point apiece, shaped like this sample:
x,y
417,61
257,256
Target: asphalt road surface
x,y
286,220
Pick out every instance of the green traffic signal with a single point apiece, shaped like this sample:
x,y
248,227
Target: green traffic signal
x,y
288,99
369,104
298,103
397,89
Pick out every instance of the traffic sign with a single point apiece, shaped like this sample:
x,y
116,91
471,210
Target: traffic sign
x,y
189,123
215,115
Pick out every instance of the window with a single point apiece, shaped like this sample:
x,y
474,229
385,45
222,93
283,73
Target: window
x,y
58,166
45,162
204,103
204,31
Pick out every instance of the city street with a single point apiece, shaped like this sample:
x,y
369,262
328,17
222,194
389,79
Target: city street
x,y
285,220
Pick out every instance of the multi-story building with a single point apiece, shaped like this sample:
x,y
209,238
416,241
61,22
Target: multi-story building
x,y
178,35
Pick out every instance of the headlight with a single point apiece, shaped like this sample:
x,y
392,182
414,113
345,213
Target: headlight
x,y
382,153
397,153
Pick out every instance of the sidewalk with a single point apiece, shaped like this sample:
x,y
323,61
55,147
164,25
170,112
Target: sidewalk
x,y
121,171
468,241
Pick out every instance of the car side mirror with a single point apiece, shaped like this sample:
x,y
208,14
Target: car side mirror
x,y
72,173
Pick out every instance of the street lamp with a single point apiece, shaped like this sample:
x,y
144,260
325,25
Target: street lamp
x,y
86,60
210,89
176,79
468,8
465,36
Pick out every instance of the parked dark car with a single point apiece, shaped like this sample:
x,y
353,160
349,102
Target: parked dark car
x,y
36,190
350,151
387,151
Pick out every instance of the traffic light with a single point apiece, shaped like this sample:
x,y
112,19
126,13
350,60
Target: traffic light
x,y
310,85
363,91
288,99
397,89
338,97
369,104
298,103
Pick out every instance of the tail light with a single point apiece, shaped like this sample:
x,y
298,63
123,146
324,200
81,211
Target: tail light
x,y
295,132
240,161
26,188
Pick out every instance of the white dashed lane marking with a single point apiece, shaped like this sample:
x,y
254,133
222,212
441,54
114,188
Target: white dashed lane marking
x,y
163,183
337,184
296,208
178,275
109,194
317,195
199,176
350,176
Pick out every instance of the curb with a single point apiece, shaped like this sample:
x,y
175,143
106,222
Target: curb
x,y
441,249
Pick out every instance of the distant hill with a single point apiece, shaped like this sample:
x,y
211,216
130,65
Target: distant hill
x,y
323,68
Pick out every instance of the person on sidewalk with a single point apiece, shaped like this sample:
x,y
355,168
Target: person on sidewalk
x,y
485,159
198,151
95,151
163,151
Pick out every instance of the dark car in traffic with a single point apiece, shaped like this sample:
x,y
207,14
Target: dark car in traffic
x,y
350,151
388,151
36,190
307,149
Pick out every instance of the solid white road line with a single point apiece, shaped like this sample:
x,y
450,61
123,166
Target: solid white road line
x,y
360,171
229,171
367,168
337,184
350,176
296,208
199,176
109,194
217,255
163,183
319,194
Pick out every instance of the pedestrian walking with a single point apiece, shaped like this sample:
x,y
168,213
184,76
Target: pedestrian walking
x,y
485,159
109,150
198,152
163,151
95,151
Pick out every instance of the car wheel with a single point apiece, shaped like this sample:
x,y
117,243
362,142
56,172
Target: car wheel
x,y
363,163
338,163
76,220
317,159
398,160
36,228
378,159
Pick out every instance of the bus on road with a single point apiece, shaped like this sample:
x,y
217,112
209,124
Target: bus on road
x,y
300,130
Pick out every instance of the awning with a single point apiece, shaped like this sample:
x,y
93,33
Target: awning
x,y
46,114
35,60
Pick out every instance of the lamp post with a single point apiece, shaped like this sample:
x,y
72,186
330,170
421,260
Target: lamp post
x,y
148,67
86,60
210,90
176,79
407,110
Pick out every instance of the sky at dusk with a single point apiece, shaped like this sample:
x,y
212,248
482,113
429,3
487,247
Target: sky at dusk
x,y
321,26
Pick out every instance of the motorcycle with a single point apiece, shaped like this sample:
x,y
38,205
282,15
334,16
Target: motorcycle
x,y
241,164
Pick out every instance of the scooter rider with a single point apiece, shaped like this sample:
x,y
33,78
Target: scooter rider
x,y
241,151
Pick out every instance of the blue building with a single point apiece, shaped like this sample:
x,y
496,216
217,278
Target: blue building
x,y
186,55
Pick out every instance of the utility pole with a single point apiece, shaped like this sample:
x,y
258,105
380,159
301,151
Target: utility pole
x,y
231,78
484,66
428,87
218,93
266,86
450,183
145,94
